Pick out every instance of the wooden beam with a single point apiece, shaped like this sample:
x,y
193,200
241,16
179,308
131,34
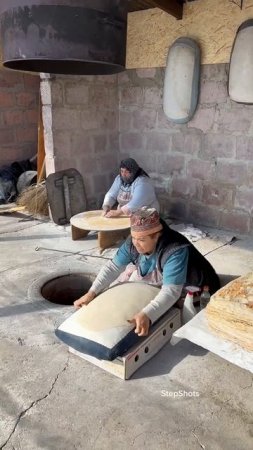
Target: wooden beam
x,y
138,5
172,7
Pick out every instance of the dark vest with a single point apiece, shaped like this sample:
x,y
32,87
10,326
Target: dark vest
x,y
199,271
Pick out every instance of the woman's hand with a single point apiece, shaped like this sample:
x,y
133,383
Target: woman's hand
x,y
142,324
85,299
106,209
114,213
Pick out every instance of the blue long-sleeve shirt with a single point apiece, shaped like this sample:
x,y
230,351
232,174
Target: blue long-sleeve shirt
x,y
173,277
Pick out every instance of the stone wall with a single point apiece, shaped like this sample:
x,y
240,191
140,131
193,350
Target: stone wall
x,y
80,117
202,170
19,95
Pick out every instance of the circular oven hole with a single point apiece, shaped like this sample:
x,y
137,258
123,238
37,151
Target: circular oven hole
x,y
64,290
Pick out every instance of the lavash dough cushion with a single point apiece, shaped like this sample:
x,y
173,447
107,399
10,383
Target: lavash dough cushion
x,y
101,328
230,312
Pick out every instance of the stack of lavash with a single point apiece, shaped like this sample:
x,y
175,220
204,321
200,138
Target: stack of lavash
x,y
230,312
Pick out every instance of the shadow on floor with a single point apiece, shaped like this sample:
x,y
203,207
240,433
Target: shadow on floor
x,y
30,307
167,358
32,237
170,355
225,279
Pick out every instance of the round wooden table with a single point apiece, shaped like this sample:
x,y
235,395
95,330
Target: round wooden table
x,y
110,230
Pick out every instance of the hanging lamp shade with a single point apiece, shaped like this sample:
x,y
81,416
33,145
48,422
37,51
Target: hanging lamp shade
x,y
83,37
181,83
240,85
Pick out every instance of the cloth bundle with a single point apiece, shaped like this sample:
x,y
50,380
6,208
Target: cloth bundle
x,y
230,312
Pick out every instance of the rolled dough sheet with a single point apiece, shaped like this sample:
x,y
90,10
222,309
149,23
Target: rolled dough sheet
x,y
94,221
114,307
198,332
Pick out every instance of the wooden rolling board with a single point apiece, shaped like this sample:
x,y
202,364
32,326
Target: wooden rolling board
x,y
94,221
110,230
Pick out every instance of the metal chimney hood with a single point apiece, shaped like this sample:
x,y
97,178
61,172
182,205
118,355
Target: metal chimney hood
x,y
78,37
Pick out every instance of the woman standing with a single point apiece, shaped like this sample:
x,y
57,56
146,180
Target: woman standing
x,y
132,189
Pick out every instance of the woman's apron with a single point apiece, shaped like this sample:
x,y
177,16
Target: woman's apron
x,y
124,196
133,273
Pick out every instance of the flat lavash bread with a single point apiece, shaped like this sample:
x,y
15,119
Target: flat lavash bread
x,y
230,311
101,329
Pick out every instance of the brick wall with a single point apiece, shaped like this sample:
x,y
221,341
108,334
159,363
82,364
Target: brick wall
x,y
202,170
84,121
18,116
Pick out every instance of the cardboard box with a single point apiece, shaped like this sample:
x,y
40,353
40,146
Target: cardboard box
x,y
125,366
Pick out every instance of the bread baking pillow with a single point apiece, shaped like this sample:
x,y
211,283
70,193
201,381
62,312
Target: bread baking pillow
x,y
101,329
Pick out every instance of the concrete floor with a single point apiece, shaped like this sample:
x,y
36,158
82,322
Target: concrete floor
x,y
53,400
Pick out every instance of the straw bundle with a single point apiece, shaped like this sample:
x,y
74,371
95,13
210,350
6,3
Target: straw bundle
x,y
34,199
